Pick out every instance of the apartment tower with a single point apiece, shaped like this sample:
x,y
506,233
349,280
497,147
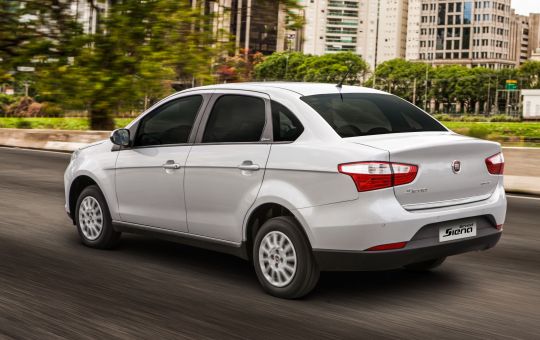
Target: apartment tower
x,y
470,33
374,29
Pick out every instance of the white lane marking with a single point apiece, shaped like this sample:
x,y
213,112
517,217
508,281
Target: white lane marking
x,y
35,150
524,197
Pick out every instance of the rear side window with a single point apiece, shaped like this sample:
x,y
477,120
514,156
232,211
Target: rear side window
x,y
362,114
170,123
287,127
235,119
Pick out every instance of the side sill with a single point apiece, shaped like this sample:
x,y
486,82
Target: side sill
x,y
221,246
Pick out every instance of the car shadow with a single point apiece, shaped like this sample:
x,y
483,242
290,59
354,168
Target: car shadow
x,y
210,265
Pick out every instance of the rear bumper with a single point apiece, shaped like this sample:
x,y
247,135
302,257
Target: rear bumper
x,y
376,218
334,260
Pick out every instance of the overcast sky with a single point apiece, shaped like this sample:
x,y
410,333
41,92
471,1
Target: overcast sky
x,y
526,6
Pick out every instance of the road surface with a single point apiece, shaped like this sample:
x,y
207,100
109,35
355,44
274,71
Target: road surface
x,y
53,287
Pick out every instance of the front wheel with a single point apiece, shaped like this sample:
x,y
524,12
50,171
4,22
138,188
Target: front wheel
x,y
283,259
93,220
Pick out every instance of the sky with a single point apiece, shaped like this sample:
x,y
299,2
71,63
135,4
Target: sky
x,y
526,6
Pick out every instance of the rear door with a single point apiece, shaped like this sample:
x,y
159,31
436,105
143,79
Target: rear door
x,y
225,167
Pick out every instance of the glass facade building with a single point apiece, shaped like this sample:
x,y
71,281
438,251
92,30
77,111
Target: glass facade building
x,y
466,32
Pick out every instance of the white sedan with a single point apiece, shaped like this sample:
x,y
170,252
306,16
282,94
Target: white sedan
x,y
294,177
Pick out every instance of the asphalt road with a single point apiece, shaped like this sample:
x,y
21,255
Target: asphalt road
x,y
53,287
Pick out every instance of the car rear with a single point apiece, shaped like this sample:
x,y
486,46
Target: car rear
x,y
437,194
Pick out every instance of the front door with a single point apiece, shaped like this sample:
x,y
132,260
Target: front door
x,y
150,174
226,165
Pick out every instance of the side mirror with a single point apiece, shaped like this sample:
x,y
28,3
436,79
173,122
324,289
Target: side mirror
x,y
120,137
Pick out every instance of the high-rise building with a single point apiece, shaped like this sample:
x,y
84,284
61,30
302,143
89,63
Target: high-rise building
x,y
383,30
374,29
534,33
519,38
257,25
89,13
470,33
330,26
535,55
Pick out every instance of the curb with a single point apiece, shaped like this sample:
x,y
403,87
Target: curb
x,y
529,185
53,140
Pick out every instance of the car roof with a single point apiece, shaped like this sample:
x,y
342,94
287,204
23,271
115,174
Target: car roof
x,y
303,89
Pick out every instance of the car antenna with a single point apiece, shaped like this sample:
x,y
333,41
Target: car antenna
x,y
340,84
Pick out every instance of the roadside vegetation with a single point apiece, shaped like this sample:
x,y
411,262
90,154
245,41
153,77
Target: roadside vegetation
x,y
54,123
508,133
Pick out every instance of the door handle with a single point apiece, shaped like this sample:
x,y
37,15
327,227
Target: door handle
x,y
249,166
170,165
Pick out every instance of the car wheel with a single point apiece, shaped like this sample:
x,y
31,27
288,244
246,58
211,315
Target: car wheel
x,y
426,265
93,220
283,259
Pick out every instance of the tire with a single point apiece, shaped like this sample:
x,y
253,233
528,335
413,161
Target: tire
x,y
426,265
93,220
273,264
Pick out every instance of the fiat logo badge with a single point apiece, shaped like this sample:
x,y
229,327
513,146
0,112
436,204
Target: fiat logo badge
x,y
456,166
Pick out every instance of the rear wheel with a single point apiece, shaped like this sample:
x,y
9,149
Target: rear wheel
x,y
426,265
283,259
93,220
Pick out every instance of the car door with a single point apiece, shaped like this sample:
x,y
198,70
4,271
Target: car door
x,y
150,174
225,167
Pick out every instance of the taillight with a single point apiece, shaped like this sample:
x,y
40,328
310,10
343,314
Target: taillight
x,y
378,175
495,164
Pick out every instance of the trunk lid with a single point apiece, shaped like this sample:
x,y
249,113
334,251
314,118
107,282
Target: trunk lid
x,y
437,184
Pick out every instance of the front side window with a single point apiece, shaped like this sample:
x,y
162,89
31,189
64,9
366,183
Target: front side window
x,y
363,114
287,127
170,123
235,119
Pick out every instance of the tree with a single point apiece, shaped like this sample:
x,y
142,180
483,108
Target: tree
x,y
334,68
35,33
140,50
236,68
296,66
399,77
530,70
282,66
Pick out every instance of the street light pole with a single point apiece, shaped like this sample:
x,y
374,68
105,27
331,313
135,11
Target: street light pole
x,y
26,86
426,90
376,45
414,92
489,96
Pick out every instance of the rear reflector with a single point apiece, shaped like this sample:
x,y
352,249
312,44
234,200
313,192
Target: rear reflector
x,y
495,164
499,226
378,175
389,246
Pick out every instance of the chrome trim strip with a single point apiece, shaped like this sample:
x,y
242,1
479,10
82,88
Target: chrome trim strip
x,y
442,204
177,233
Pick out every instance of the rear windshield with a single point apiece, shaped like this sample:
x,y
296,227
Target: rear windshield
x,y
363,114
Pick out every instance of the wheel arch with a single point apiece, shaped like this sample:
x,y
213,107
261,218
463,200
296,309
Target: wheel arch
x,y
262,212
77,186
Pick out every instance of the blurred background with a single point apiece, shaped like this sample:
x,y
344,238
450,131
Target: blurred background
x,y
91,64
73,70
